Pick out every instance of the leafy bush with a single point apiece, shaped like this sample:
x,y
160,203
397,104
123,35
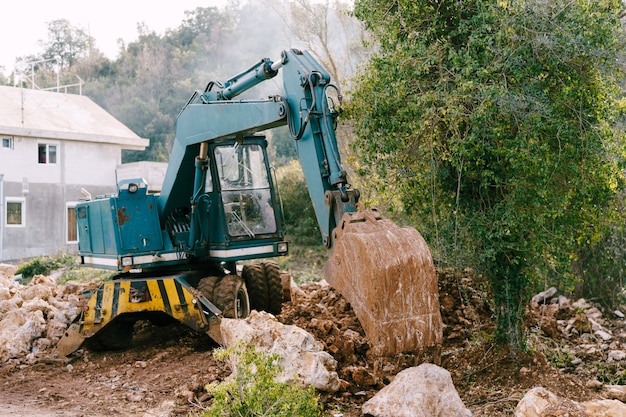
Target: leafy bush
x,y
253,390
298,212
43,265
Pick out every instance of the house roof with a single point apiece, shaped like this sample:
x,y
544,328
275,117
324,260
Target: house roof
x,y
52,115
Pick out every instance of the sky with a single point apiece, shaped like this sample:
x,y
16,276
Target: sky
x,y
23,23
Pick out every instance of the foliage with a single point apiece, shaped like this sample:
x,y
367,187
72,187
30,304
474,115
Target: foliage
x,y
72,271
603,262
298,212
493,124
66,44
253,389
43,265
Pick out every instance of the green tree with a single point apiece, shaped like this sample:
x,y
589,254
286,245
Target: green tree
x,y
66,44
491,122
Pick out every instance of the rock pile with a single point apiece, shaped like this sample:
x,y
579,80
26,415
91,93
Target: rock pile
x,y
583,325
33,317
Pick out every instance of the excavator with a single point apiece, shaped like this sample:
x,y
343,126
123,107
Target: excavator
x,y
202,248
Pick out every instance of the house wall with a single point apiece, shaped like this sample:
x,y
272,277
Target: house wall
x,y
47,189
77,162
45,227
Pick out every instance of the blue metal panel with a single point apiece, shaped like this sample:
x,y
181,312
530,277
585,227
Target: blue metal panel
x,y
138,224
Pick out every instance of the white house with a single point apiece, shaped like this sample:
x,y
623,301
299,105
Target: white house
x,y
53,148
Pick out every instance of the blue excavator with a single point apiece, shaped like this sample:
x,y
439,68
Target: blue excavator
x,y
188,253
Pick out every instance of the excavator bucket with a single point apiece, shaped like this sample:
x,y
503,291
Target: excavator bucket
x,y
387,274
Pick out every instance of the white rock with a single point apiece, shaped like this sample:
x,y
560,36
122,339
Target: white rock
x,y
423,391
618,314
543,296
617,355
18,330
540,402
55,328
32,292
594,313
301,356
37,304
7,271
616,392
603,335
5,294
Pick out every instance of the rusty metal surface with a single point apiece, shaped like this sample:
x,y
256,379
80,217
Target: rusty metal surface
x,y
387,274
71,340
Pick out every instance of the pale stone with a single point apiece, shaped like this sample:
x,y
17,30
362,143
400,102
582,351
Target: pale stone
x,y
18,330
540,402
5,294
423,391
301,356
616,392
605,408
617,355
7,270
543,296
603,335
32,292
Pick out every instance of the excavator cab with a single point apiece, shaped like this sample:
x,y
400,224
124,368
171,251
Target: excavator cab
x,y
245,188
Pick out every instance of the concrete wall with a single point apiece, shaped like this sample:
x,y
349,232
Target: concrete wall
x,y
47,189
45,222
77,162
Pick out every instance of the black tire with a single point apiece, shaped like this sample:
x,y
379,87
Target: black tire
x,y
256,283
274,287
207,286
231,296
116,335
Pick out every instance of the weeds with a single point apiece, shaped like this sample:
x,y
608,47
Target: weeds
x,y
253,390
72,271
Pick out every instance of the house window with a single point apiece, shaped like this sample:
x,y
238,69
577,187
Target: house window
x,y
15,211
72,227
7,143
47,153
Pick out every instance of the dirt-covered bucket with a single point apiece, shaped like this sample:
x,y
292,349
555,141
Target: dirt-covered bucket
x,y
387,274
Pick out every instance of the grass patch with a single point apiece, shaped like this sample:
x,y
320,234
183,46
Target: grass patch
x,y
68,263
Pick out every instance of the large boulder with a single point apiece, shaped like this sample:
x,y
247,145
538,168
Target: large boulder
x,y
423,391
302,358
18,329
33,317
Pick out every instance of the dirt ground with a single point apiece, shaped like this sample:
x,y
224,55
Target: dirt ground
x,y
166,369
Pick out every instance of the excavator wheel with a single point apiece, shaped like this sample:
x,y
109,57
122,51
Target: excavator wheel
x,y
254,276
264,285
231,296
274,287
207,287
